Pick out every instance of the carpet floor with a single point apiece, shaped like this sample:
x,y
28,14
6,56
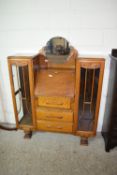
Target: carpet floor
x,y
54,154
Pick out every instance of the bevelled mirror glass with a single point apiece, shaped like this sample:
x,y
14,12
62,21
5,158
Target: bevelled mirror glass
x,y
57,50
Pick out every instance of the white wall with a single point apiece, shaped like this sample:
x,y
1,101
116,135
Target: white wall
x,y
26,26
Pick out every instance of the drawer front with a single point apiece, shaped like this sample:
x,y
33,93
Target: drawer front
x,y
54,115
54,126
57,102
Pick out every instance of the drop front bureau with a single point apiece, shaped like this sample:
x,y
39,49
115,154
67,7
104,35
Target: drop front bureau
x,y
56,90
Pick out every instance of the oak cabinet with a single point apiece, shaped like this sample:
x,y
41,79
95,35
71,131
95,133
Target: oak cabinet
x,y
57,91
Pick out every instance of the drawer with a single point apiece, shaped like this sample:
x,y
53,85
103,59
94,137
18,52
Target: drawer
x,y
52,114
57,102
54,126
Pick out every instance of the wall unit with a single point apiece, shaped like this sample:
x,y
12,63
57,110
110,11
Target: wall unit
x,y
56,90
109,129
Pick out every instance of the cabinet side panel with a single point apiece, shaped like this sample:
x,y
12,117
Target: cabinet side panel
x,y
110,95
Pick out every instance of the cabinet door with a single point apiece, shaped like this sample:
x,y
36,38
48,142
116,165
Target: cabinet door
x,y
21,78
89,75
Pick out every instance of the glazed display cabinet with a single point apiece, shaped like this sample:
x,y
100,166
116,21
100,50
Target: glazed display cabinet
x,y
22,86
89,75
56,90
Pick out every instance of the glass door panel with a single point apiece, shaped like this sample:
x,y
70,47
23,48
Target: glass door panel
x,y
89,79
22,93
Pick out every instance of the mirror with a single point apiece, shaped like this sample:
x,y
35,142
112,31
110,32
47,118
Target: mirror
x,y
57,50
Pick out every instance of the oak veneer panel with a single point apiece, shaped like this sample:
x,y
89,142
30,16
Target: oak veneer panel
x,y
54,126
53,114
55,82
56,102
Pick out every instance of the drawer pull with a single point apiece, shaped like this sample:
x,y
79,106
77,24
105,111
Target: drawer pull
x,y
58,117
47,103
49,126
59,127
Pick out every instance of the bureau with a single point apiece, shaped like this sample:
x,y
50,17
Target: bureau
x,y
56,90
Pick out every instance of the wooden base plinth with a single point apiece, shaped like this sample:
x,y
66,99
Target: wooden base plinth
x,y
28,134
84,141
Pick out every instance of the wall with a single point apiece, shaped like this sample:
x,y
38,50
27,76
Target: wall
x,y
26,26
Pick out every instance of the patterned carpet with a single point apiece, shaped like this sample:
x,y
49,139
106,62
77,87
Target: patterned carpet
x,y
54,154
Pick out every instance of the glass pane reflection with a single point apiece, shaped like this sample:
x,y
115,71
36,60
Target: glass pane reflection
x,y
22,93
57,50
88,96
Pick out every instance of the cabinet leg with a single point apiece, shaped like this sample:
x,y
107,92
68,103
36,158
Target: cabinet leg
x,y
84,141
107,150
28,134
